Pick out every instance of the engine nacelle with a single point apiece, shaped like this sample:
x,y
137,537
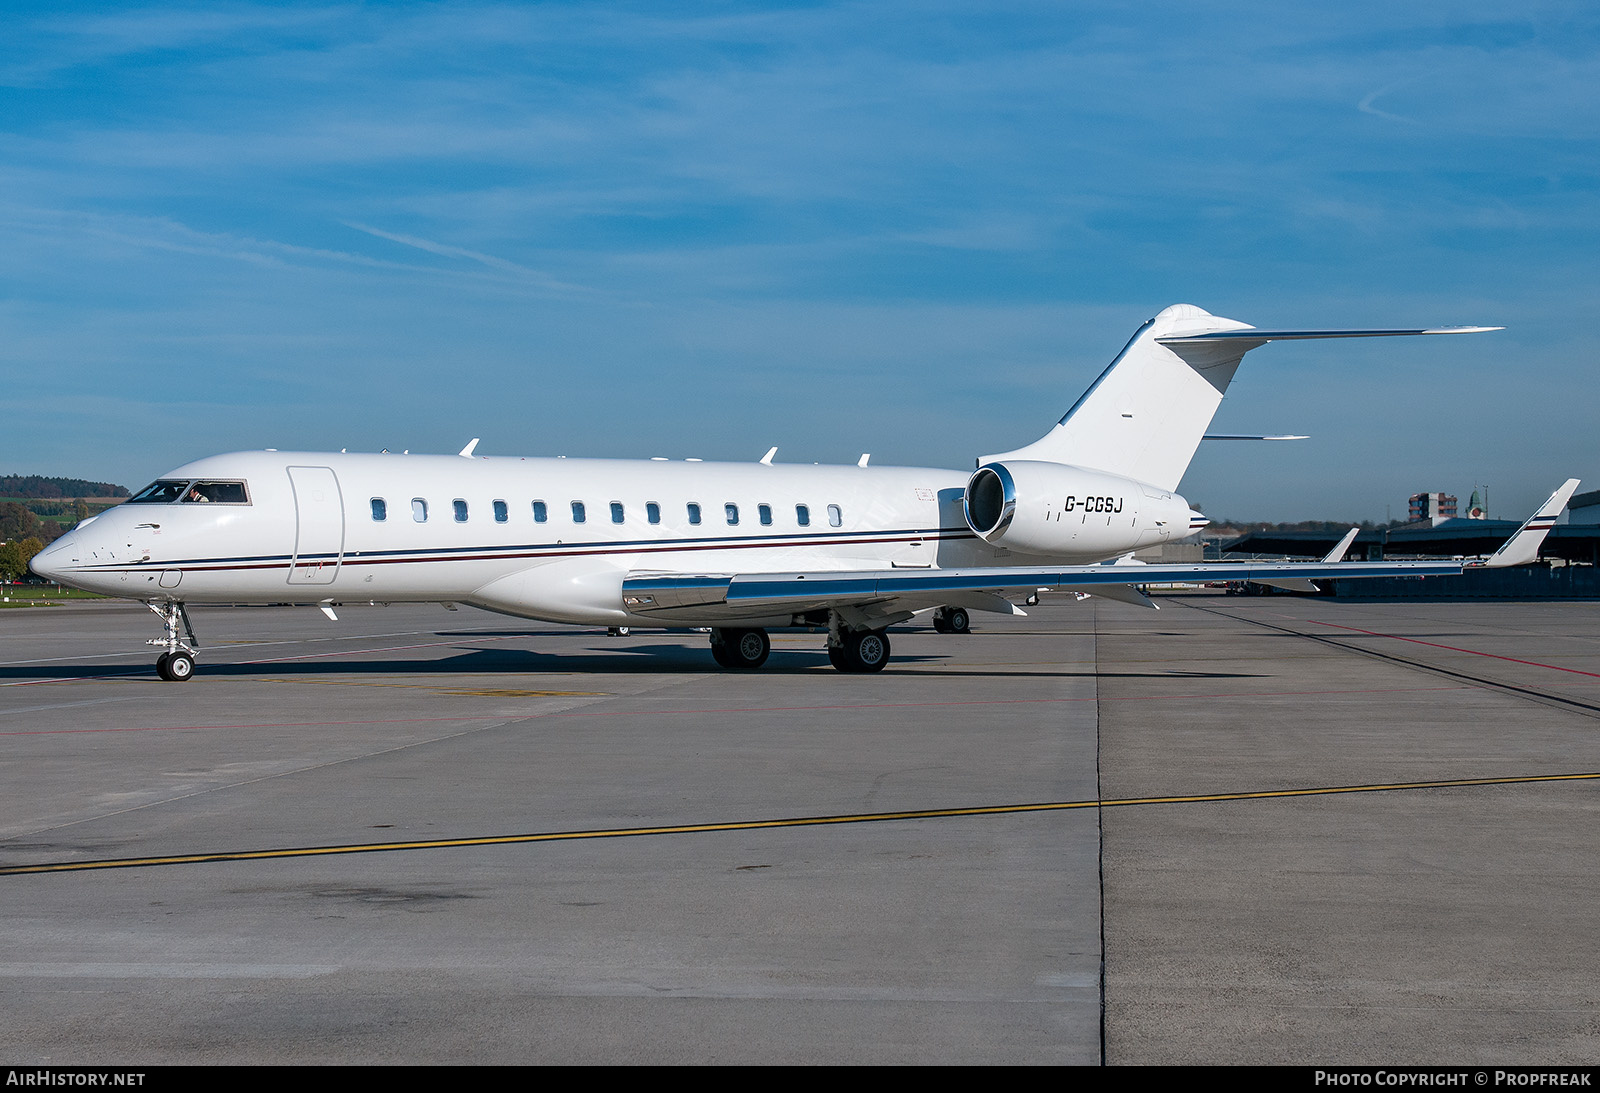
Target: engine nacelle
x,y
1052,509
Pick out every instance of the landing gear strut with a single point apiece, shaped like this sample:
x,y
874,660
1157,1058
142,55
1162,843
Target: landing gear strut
x,y
952,620
176,665
740,649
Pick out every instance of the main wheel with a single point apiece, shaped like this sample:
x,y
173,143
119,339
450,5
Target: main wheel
x,y
941,625
863,651
837,658
175,667
745,649
751,647
958,620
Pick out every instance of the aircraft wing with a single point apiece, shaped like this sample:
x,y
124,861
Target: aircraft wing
x,y
902,592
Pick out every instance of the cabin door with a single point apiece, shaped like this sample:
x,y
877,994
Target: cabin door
x,y
318,526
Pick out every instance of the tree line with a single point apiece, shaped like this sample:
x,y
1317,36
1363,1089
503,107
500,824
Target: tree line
x,y
44,486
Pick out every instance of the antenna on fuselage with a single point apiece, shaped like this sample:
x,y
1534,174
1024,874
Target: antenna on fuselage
x,y
862,462
766,460
467,451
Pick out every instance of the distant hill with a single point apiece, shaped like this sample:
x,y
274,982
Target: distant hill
x,y
41,486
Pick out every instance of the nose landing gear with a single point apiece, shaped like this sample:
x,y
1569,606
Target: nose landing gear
x,y
176,665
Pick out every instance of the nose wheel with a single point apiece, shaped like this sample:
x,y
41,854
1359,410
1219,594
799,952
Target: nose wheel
x,y
176,665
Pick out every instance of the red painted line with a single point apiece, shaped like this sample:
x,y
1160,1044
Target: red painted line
x,y
1458,649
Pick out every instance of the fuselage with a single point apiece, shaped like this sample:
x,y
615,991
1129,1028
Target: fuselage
x,y
549,539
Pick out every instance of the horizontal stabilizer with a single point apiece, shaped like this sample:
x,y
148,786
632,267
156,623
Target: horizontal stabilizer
x,y
1262,337
1523,547
1254,436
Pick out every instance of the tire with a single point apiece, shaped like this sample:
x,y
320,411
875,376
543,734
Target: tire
x,y
837,658
958,621
179,667
743,650
867,650
941,625
750,648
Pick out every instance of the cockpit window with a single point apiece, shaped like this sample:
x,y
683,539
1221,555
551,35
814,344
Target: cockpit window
x,y
158,493
220,493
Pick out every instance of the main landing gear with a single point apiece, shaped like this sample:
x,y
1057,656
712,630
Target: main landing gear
x,y
176,665
952,620
848,650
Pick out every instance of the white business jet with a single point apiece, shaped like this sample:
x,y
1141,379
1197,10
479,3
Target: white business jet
x,y
737,548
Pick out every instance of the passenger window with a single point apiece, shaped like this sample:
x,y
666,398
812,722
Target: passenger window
x,y
540,513
578,516
616,512
732,512
501,513
835,516
765,512
694,512
380,510
802,515
652,512
419,510
461,510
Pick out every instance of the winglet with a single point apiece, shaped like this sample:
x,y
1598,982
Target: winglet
x,y
1523,547
1333,557
1337,553
467,451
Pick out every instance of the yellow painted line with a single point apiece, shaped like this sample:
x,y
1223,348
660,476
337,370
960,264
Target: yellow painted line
x,y
508,693
793,821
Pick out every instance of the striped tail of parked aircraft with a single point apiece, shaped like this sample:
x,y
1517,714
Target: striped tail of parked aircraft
x,y
737,548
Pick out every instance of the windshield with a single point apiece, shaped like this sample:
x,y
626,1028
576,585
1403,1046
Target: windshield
x,y
158,493
223,493
187,490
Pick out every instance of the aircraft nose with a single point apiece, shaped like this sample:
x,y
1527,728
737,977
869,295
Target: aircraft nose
x,y
51,562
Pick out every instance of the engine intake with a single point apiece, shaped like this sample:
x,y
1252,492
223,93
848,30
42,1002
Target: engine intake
x,y
1052,509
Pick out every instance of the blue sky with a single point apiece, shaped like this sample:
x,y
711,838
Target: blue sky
x,y
915,229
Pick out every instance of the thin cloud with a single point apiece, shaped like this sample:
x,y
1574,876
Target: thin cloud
x,y
445,250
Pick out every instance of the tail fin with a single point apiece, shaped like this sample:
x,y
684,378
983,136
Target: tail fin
x,y
1144,417
1523,547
